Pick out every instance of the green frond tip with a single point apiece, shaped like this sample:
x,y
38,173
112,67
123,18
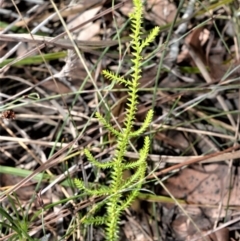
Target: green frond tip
x,y
90,157
130,198
138,8
96,163
134,164
145,150
149,39
131,183
145,124
79,184
107,125
95,220
91,189
138,4
114,77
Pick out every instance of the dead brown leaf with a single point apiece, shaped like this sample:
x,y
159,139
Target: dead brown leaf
x,y
210,186
161,12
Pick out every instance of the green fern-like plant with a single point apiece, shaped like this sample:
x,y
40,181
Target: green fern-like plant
x,y
115,202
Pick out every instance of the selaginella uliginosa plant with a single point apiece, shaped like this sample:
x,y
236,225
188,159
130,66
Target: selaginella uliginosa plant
x,y
121,192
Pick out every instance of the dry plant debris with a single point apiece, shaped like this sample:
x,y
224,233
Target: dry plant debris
x,y
8,114
191,80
